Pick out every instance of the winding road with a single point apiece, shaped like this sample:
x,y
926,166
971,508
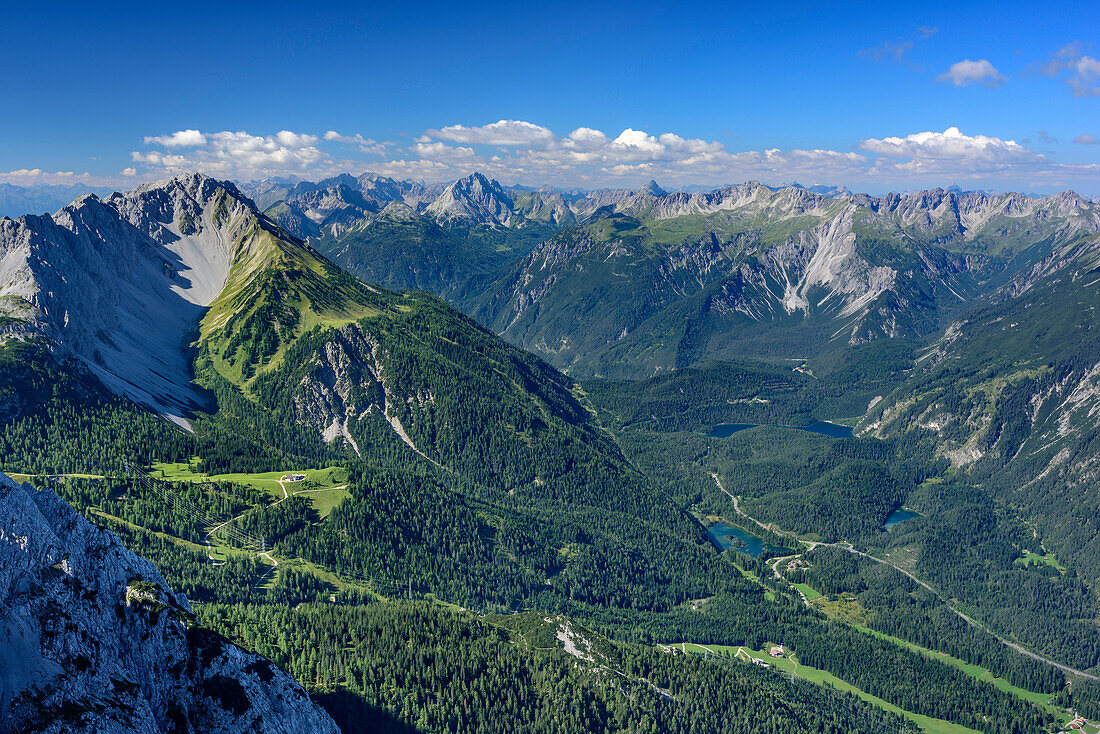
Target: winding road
x,y
810,545
274,565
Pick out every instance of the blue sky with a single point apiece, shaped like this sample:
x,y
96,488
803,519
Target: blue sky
x,y
875,96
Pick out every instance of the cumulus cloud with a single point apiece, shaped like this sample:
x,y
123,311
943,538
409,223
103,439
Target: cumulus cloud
x,y
503,132
637,140
966,72
235,154
366,145
590,156
1087,139
1080,72
927,31
444,153
180,138
128,171
40,177
294,140
515,151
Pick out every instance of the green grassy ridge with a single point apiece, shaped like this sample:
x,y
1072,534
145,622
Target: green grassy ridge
x,y
278,290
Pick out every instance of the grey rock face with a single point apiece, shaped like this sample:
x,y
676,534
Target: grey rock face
x,y
474,198
93,640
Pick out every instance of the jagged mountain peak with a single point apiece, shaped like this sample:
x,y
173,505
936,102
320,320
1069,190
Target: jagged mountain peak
x,y
476,199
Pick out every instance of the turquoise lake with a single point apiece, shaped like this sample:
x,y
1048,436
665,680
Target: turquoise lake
x,y
825,428
900,515
726,536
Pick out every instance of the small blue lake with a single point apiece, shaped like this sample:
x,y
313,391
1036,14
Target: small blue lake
x,y
726,536
899,515
825,428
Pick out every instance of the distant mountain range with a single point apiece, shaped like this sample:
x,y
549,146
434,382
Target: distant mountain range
x,y
660,282
18,200
622,282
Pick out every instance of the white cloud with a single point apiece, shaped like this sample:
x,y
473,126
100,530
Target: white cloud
x,y
639,141
366,145
237,154
38,177
180,138
444,153
1087,139
586,136
294,140
128,171
952,150
590,157
889,51
1080,72
966,72
503,132
1085,77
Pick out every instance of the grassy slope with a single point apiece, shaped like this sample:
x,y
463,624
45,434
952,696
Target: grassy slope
x,y
324,488
273,273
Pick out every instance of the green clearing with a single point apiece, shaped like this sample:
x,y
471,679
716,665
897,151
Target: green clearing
x,y
820,677
1030,557
324,500
844,608
976,671
327,478
810,592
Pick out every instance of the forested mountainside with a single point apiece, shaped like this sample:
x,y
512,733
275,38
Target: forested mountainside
x,y
336,448
1007,398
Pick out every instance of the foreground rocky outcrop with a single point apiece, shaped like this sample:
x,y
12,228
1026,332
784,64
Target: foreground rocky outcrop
x,y
93,640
